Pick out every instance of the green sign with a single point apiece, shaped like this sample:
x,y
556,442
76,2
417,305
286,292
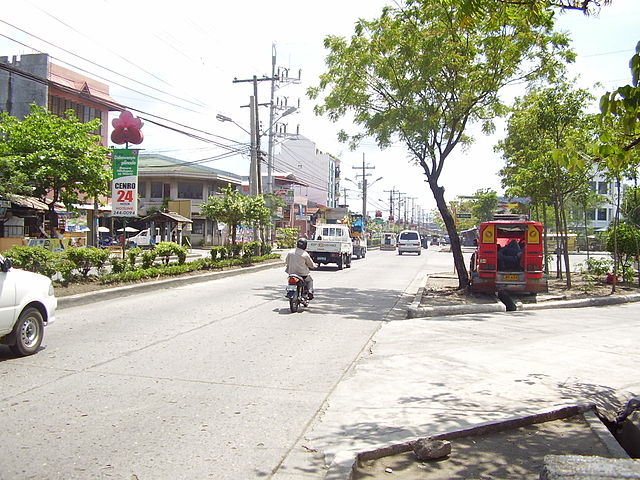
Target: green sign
x,y
124,190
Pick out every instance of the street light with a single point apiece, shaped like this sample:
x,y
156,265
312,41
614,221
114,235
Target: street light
x,y
224,118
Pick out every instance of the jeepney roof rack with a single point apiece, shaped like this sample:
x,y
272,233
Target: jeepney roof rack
x,y
511,216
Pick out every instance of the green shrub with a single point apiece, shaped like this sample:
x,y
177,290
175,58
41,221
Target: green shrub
x,y
86,258
164,250
132,255
148,257
218,252
35,259
118,265
251,249
235,250
266,249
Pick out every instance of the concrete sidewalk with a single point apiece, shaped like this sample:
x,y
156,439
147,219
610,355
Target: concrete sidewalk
x,y
423,377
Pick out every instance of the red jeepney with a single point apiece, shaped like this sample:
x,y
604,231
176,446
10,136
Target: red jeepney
x,y
509,257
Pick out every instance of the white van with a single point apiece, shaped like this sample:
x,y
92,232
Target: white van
x,y
409,241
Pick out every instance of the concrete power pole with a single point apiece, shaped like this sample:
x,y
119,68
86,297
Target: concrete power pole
x,y
364,176
276,79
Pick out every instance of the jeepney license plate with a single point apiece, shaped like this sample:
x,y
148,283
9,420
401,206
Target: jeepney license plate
x,y
511,278
322,258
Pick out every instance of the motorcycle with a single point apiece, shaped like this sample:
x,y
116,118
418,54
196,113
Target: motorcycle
x,y
297,293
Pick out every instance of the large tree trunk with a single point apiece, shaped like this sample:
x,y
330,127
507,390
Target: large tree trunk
x,y
456,248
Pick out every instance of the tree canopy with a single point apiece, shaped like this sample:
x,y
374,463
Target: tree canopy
x,y
59,158
548,125
234,209
420,75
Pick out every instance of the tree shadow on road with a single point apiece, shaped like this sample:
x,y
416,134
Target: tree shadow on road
x,y
352,303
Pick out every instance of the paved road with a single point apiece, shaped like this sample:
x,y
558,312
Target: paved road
x,y
212,380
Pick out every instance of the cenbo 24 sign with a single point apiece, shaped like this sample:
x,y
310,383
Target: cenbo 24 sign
x,y
124,190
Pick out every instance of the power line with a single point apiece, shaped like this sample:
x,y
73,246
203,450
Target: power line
x,y
97,65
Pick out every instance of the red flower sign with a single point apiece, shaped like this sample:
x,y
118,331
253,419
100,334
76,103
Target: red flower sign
x,y
126,129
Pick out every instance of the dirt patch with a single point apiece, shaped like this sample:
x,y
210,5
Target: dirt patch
x,y
514,454
442,289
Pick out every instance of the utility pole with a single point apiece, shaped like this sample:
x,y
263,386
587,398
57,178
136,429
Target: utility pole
x,y
275,79
392,194
255,170
364,176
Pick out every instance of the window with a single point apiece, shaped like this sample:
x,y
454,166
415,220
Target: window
x,y
592,186
603,188
409,236
190,190
602,214
198,227
591,214
142,189
156,189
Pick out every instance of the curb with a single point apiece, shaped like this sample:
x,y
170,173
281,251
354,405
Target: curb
x,y
416,311
118,292
581,302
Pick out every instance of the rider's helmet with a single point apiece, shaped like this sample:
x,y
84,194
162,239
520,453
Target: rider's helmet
x,y
302,243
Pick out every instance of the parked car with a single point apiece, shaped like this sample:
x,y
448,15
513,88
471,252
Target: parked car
x,y
27,304
409,241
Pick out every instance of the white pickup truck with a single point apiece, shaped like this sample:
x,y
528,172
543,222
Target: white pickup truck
x,y
143,239
331,244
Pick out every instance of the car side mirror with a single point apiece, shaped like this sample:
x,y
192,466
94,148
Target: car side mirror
x,y
6,264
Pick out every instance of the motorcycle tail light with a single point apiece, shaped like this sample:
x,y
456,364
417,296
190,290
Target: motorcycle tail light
x,y
293,281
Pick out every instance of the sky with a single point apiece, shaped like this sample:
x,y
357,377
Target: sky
x,y
178,61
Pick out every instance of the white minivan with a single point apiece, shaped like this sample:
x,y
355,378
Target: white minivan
x,y
409,241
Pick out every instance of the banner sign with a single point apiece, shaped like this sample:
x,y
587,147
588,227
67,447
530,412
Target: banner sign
x,y
124,191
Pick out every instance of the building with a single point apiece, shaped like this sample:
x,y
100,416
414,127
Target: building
x,y
33,78
183,186
318,170
600,217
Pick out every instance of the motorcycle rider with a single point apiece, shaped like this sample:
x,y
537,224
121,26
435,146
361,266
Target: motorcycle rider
x,y
298,262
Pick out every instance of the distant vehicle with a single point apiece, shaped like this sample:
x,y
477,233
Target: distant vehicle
x,y
509,257
358,236
27,304
409,242
388,241
143,239
331,244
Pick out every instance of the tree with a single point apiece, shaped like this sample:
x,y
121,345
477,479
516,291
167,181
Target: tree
x,y
234,209
630,207
12,181
421,75
544,125
485,204
535,8
617,148
60,156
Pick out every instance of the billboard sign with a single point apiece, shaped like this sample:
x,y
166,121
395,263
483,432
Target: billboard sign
x,y
124,189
